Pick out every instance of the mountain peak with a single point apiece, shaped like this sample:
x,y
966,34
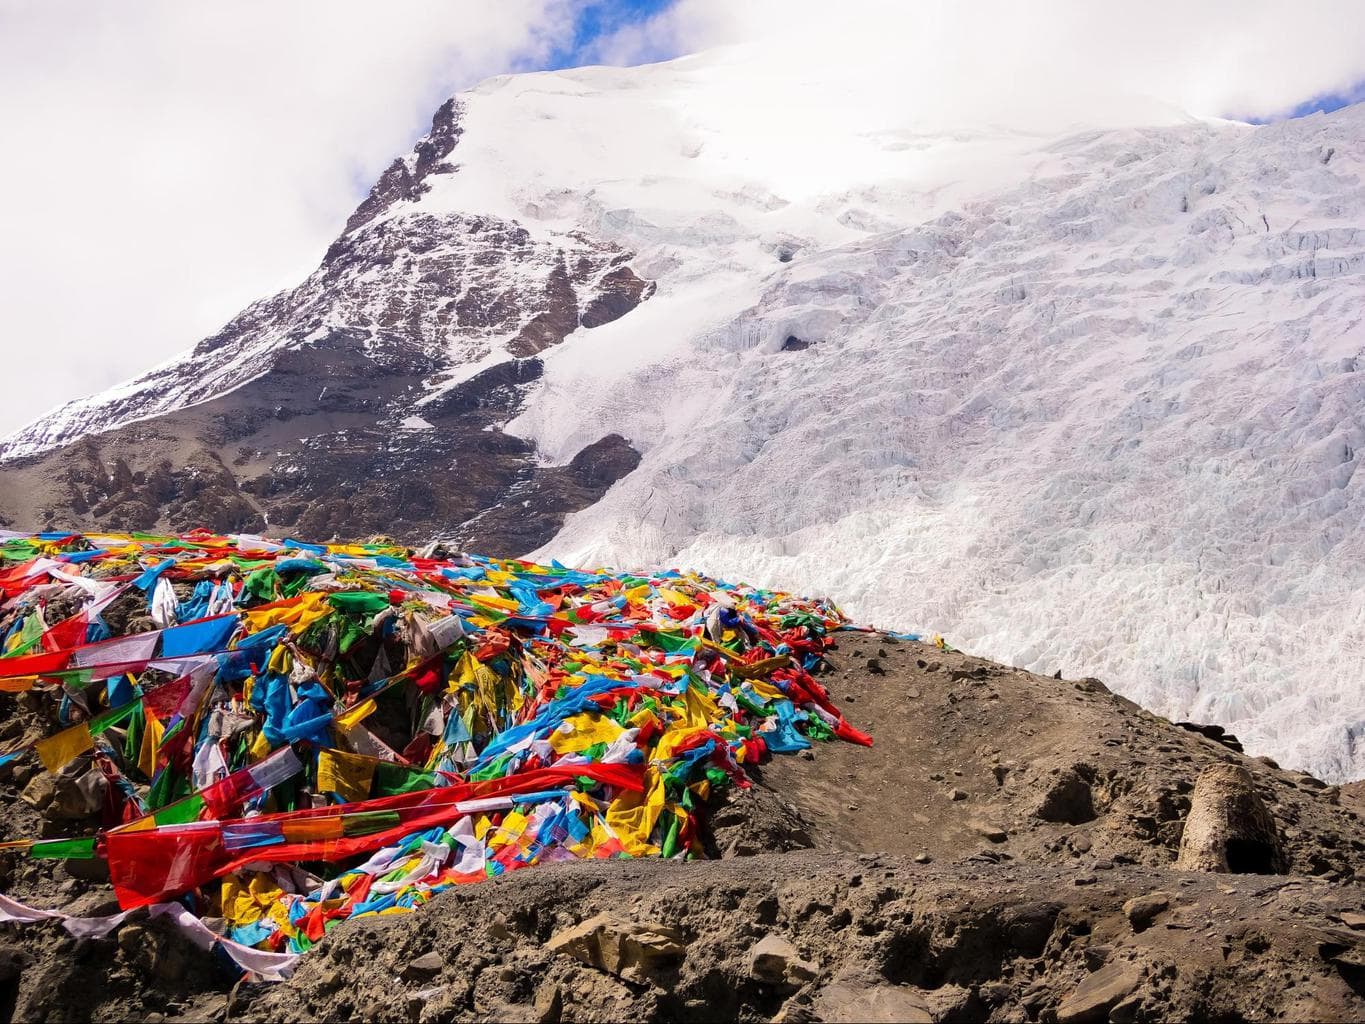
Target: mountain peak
x,y
405,178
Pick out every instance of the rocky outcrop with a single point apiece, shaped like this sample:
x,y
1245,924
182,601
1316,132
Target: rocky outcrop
x,y
405,178
1228,827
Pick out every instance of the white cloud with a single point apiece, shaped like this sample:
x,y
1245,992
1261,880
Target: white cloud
x,y
167,162
981,57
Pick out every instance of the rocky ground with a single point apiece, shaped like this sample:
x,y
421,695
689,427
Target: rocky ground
x,y
1013,848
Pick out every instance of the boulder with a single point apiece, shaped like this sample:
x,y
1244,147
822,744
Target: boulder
x,y
1142,910
75,793
1228,828
628,949
424,965
1094,996
775,960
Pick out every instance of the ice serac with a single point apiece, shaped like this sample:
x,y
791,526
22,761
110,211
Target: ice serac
x,y
1081,395
369,399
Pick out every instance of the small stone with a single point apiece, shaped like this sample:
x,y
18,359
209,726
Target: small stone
x,y
874,665
132,938
1080,842
1083,880
957,794
808,754
1103,864
923,857
427,963
933,666
1096,956
912,694
1142,910
852,807
1125,1010
992,832
548,1004
935,776
1352,919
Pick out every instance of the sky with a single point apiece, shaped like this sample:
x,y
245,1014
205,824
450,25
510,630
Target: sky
x,y
166,162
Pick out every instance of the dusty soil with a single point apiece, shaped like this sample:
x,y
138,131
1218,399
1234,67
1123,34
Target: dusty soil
x,y
966,750
970,942
1004,852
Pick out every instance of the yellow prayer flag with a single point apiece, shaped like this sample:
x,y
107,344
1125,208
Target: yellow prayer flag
x,y
513,824
501,604
352,717
247,903
349,776
632,816
298,613
583,731
767,690
759,669
151,743
674,737
260,748
65,747
702,708
281,660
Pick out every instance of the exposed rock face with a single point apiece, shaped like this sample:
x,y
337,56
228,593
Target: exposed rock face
x,y
344,406
1228,827
404,178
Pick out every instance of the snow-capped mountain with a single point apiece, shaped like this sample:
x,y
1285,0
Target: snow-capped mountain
x,y
1078,396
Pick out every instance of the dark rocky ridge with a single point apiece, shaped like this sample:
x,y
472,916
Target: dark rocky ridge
x,y
292,417
405,177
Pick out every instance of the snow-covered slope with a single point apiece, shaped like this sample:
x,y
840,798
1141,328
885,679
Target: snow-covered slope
x,y
1081,391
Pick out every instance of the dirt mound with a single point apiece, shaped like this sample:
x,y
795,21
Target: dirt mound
x,y
977,759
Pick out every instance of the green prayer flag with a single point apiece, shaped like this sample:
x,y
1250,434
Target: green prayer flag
x,y
393,779
64,849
